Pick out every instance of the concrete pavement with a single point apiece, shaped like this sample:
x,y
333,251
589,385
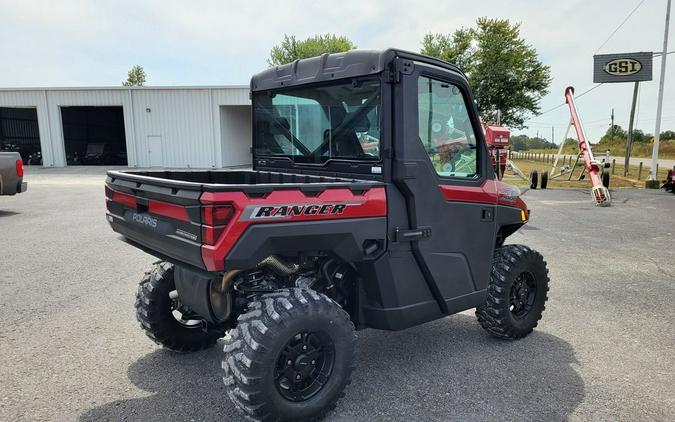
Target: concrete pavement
x,y
71,349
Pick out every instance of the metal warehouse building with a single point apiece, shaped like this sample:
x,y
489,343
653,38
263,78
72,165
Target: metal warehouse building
x,y
135,126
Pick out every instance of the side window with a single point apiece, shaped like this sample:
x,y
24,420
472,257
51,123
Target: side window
x,y
445,128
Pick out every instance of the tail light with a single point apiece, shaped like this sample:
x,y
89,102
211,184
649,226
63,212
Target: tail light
x,y
19,168
124,198
210,235
214,220
217,215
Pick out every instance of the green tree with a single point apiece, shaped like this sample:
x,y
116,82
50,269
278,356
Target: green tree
x,y
290,49
616,131
619,134
639,135
456,48
503,69
524,143
135,77
518,143
668,134
571,141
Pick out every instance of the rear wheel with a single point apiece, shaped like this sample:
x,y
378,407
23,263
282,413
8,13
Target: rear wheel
x,y
290,356
534,179
517,292
164,319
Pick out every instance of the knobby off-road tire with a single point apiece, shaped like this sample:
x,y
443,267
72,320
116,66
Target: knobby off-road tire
x,y
154,310
259,356
517,292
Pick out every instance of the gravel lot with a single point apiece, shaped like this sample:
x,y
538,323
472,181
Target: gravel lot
x,y
71,349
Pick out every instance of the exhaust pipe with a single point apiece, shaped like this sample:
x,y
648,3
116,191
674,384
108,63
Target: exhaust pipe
x,y
278,266
220,297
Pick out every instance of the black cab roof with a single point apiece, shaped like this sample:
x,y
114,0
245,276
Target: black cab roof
x,y
337,66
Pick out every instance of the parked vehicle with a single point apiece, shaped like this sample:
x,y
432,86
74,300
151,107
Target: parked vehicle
x,y
324,236
11,174
669,183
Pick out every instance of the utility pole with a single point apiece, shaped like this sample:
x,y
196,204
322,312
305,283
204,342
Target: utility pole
x,y
611,127
629,138
653,181
552,134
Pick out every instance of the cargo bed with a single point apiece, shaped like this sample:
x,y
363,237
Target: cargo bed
x,y
174,214
228,180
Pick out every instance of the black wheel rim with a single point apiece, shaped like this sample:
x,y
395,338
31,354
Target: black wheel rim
x,y
523,294
305,365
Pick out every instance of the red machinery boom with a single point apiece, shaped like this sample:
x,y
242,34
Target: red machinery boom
x,y
599,192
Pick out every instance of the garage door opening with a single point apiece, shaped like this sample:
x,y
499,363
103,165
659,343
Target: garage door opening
x,y
235,135
19,133
94,135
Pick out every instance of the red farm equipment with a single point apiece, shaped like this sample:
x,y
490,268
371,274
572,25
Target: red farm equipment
x,y
497,140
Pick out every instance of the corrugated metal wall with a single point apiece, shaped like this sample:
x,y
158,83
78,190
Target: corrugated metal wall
x,y
187,120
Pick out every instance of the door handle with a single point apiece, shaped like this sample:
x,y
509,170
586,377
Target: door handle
x,y
420,233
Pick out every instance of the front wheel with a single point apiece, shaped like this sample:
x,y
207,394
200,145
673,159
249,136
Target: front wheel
x,y
290,356
164,319
517,292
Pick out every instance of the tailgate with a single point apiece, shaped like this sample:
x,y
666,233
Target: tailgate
x,y
163,218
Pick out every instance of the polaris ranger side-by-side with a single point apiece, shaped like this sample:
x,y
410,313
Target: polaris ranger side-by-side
x,y
372,203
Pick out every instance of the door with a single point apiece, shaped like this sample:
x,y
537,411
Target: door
x,y
441,168
155,155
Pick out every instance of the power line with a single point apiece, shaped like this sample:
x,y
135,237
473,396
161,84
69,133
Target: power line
x,y
563,103
619,27
596,51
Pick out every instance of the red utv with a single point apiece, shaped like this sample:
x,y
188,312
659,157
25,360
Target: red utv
x,y
372,203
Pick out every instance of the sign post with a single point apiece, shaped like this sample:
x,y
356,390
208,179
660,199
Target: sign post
x,y
629,140
653,181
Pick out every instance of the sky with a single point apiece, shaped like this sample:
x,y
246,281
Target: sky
x,y
95,43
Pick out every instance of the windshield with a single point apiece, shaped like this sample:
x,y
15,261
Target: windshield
x,y
317,124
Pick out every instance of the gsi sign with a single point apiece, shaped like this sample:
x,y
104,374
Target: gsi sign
x,y
626,67
622,67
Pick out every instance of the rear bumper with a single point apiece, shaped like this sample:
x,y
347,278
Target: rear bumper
x,y
170,247
12,188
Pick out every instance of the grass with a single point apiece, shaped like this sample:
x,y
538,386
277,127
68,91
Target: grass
x,y
616,180
640,149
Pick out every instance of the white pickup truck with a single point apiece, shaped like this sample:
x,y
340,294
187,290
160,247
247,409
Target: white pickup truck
x,y
11,174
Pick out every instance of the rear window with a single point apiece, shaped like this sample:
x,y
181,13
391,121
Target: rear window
x,y
340,121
